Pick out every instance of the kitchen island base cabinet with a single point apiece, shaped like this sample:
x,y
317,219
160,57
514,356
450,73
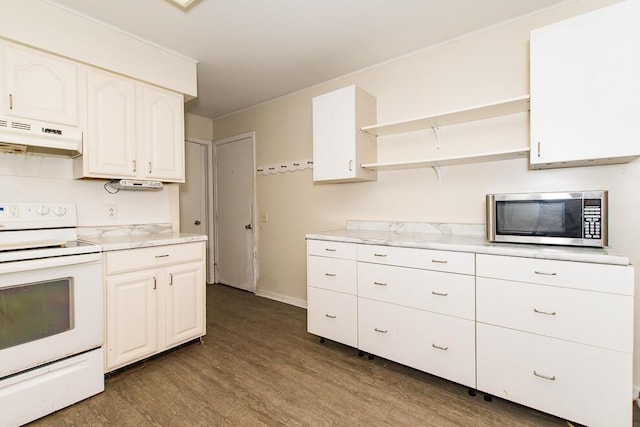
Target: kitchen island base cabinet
x,y
581,383
155,300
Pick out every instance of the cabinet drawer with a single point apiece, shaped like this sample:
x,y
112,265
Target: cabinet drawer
x,y
445,293
332,315
589,385
595,318
137,259
452,262
331,249
331,273
615,279
434,343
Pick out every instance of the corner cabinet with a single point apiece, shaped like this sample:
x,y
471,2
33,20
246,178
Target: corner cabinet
x,y
339,146
155,300
585,89
39,86
134,130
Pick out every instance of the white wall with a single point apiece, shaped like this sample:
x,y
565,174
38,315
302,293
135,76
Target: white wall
x,y
31,178
481,68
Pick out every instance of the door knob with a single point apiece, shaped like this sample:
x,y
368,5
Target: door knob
x,y
248,227
197,222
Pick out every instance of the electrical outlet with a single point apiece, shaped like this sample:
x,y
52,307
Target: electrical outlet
x,y
264,217
112,211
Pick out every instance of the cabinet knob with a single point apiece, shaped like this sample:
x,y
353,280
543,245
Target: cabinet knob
x,y
248,227
197,222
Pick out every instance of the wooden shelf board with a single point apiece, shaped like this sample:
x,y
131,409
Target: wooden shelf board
x,y
449,161
480,112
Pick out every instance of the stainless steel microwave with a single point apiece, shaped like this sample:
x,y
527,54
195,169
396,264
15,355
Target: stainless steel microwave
x,y
561,218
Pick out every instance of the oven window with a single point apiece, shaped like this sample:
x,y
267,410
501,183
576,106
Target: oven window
x,y
34,311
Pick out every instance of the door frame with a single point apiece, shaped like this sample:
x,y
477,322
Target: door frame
x,y
209,207
253,262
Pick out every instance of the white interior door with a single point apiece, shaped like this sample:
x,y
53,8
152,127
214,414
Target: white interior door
x,y
234,203
195,198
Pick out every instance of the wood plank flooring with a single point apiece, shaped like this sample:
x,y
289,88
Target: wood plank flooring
x,y
259,366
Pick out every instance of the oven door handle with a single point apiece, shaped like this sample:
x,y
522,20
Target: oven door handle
x,y
38,264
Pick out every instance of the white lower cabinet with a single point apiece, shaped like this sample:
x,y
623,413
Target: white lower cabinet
x,y
550,334
581,383
431,342
402,304
557,336
155,300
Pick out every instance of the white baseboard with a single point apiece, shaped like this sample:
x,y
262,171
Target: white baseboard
x,y
282,298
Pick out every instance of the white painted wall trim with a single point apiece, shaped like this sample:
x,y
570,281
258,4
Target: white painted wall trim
x,y
282,298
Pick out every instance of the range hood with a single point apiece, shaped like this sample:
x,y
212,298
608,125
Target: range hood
x,y
25,136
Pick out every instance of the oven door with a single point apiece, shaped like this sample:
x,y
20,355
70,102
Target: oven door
x,y
50,308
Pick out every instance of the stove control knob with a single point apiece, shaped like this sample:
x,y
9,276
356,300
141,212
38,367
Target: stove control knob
x,y
43,210
60,211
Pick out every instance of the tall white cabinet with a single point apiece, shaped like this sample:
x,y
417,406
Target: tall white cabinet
x,y
339,146
585,89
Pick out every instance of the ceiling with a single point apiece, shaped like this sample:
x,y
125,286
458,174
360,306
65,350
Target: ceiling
x,y
251,51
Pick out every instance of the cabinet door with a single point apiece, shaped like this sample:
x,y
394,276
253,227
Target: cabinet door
x,y
40,86
585,87
111,126
163,114
339,146
131,317
185,303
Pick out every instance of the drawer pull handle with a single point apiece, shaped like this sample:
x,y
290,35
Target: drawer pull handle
x,y
441,294
382,331
329,249
548,313
330,316
544,273
546,377
162,256
330,274
380,255
379,283
439,261
439,348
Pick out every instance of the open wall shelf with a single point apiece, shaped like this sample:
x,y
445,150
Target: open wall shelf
x,y
453,160
479,112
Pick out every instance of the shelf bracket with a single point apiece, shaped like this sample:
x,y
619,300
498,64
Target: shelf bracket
x,y
436,132
438,170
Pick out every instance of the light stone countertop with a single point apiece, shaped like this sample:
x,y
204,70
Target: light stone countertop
x,y
114,238
450,237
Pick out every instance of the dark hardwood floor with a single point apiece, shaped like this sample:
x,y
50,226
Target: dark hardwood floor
x,y
259,366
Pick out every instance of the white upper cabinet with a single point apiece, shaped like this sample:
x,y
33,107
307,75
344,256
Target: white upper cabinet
x,y
585,88
40,86
134,130
163,122
339,146
111,125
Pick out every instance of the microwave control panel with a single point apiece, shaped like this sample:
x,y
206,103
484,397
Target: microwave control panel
x,y
592,218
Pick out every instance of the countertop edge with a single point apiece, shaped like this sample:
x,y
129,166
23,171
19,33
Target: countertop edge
x,y
474,244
